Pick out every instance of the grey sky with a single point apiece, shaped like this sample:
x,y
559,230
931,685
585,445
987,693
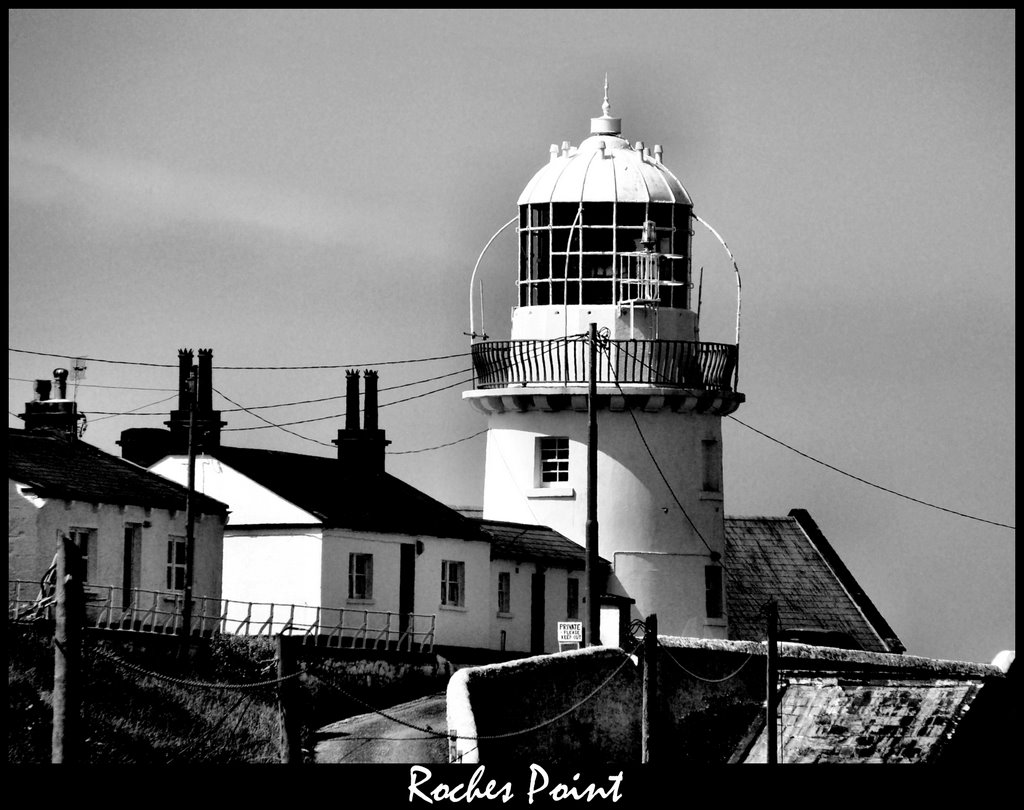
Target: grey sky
x,y
314,187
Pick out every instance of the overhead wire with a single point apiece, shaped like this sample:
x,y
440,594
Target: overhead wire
x,y
870,483
647,447
249,368
339,415
841,471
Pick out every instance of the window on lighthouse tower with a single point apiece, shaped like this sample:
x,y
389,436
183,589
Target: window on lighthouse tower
x,y
553,460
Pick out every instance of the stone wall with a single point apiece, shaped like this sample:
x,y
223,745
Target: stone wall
x,y
710,701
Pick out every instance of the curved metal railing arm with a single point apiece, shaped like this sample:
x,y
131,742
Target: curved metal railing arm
x,y
472,278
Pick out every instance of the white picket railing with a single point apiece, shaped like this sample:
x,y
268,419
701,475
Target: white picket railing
x,y
160,612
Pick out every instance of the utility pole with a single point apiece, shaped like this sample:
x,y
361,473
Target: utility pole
x,y
593,628
65,740
772,719
190,514
291,730
649,705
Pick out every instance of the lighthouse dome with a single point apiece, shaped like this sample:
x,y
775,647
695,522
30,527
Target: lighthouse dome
x,y
604,168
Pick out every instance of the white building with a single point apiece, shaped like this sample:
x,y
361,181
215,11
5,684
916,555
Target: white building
x,y
338,541
604,238
129,524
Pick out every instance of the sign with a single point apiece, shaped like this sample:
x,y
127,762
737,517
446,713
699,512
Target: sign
x,y
570,632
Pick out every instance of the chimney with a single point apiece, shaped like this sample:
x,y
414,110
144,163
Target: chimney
x,y
208,421
184,369
361,451
370,400
351,399
57,415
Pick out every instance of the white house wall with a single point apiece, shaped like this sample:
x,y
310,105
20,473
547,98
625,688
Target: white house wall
x,y
282,567
36,523
468,626
517,623
251,503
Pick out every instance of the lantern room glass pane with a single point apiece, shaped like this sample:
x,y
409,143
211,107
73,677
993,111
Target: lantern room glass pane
x,y
563,214
598,213
631,214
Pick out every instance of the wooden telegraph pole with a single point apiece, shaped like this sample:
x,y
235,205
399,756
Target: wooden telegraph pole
x,y
772,718
649,705
190,514
291,730
593,628
65,741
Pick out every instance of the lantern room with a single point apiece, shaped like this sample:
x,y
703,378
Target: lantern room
x,y
605,236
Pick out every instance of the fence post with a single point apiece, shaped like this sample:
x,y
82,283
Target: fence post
x,y
65,741
649,708
772,685
287,692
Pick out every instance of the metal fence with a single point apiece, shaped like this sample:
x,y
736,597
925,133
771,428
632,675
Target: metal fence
x,y
160,612
666,363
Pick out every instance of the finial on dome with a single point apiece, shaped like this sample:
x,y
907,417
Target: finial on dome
x,y
606,124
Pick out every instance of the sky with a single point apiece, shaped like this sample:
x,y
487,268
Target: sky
x,y
303,188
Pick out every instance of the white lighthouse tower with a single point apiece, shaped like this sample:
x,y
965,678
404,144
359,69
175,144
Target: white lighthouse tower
x,y
605,237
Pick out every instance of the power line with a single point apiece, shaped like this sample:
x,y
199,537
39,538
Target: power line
x,y
836,469
869,483
269,423
93,385
650,453
247,368
133,412
436,446
339,415
342,396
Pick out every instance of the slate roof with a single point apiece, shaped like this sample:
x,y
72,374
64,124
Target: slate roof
x,y
826,720
379,504
789,559
520,541
58,467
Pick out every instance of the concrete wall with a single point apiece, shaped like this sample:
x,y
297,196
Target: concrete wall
x,y
501,698
35,524
711,695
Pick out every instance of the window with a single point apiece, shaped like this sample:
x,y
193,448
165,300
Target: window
x,y
713,591
572,598
85,542
504,592
360,576
554,460
453,583
712,466
176,563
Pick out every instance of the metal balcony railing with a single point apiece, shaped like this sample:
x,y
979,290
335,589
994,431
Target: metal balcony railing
x,y
564,361
159,612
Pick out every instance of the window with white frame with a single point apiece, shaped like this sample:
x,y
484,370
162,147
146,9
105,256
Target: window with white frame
x,y
504,592
85,542
572,598
176,550
453,583
360,576
553,460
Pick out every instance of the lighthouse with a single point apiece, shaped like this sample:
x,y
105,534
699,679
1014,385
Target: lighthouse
x,y
604,237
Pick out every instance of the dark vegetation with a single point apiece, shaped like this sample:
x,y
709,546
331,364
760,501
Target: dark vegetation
x,y
134,718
